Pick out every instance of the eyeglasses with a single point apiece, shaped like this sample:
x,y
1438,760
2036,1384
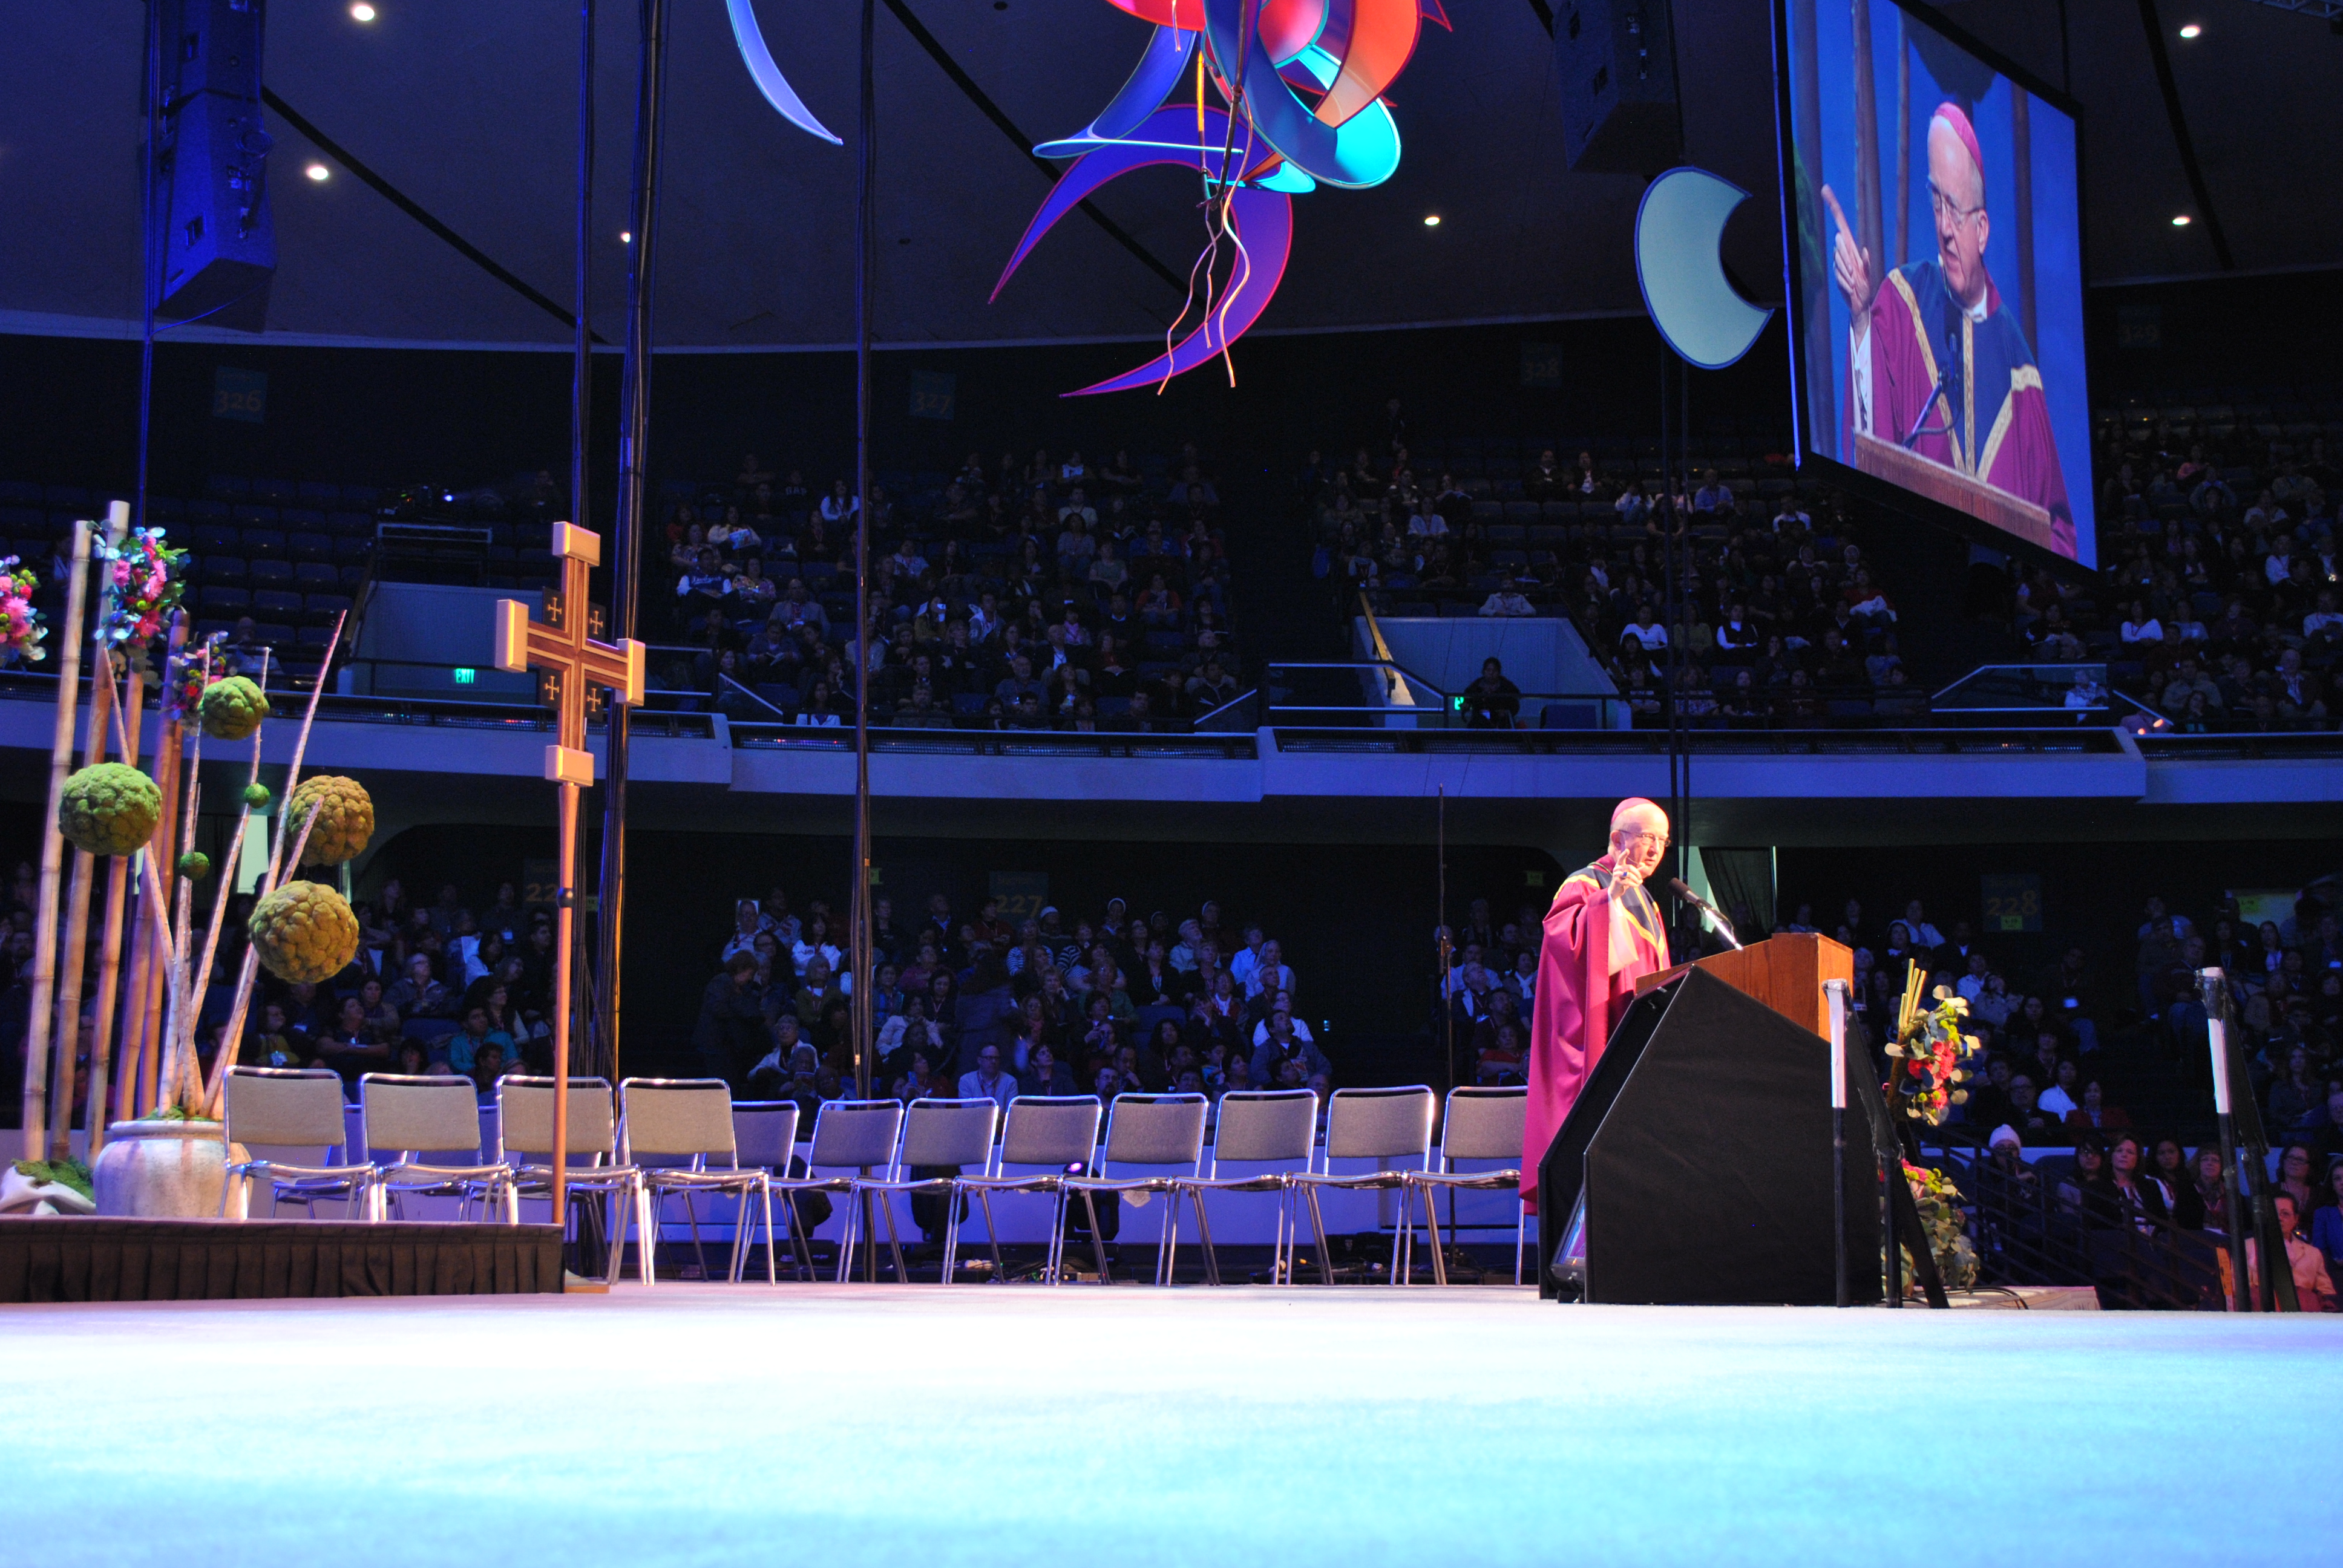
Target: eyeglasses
x,y
1946,206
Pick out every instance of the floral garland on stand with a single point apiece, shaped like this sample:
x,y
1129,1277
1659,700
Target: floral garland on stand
x,y
1932,1052
141,578
20,626
195,667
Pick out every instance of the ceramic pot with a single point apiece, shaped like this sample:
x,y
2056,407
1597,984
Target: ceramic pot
x,y
152,1170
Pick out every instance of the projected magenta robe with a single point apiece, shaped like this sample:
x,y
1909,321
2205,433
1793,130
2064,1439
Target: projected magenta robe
x,y
1579,999
1998,428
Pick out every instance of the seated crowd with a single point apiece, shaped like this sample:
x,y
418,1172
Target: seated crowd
x,y
1052,593
974,1004
1780,620
2217,605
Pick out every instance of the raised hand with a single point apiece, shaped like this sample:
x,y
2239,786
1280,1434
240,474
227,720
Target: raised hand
x,y
1850,263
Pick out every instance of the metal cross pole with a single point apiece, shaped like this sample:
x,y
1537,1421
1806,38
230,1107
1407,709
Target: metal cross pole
x,y
570,664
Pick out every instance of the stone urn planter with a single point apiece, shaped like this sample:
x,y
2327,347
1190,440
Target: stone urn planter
x,y
155,1170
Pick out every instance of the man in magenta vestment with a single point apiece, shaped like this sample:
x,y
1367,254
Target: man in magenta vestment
x,y
1602,933
1936,364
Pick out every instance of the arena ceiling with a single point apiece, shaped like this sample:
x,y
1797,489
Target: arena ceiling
x,y
469,110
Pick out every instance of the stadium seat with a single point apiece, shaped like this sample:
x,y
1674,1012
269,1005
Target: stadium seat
x,y
211,539
221,600
263,542
310,547
220,569
317,576
271,574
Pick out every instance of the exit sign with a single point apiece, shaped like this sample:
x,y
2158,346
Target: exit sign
x,y
465,677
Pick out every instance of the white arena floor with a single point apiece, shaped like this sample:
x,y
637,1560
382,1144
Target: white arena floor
x,y
826,1425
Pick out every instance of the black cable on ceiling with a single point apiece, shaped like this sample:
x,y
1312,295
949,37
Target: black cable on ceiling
x,y
2188,164
415,210
993,112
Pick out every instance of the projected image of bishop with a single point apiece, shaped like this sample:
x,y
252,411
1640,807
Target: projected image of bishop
x,y
1603,934
1937,365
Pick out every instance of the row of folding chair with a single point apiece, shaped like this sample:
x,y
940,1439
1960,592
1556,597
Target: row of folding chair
x,y
1048,1146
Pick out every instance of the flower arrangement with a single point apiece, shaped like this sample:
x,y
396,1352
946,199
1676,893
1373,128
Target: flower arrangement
x,y
1929,1045
1939,1202
141,580
192,669
21,628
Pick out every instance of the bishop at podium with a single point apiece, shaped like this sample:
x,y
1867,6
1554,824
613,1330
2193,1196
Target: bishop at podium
x,y
1601,935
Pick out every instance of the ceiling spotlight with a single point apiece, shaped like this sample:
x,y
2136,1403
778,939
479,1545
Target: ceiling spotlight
x,y
361,12
2180,221
1431,220
2192,31
317,171
626,237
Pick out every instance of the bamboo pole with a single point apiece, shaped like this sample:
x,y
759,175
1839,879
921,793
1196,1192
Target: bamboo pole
x,y
213,1094
137,1054
71,961
130,1054
250,970
127,720
45,929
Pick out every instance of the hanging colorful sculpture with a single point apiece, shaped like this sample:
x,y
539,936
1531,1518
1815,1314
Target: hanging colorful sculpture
x,y
750,40
1300,86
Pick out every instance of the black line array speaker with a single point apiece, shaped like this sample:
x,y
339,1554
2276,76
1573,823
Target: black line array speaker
x,y
1617,65
218,242
1695,1167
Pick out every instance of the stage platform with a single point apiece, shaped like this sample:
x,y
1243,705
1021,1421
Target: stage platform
x,y
83,1258
833,1425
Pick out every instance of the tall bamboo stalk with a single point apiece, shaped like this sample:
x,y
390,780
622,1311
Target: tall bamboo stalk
x,y
128,717
139,1019
212,1095
250,971
70,962
45,929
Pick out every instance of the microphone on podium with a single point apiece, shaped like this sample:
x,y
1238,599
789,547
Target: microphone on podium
x,y
1682,889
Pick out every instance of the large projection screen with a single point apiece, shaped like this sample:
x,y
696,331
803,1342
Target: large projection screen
x,y
1934,246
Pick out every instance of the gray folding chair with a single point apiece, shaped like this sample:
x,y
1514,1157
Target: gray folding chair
x,y
690,1118
1382,1125
291,1107
409,1115
1480,1123
858,1135
525,1127
1057,1132
1258,1127
765,1133
1163,1131
936,1132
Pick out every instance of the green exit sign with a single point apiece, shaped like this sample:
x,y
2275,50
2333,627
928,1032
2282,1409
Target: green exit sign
x,y
465,677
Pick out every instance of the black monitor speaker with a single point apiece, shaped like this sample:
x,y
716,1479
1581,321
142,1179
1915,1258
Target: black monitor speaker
x,y
219,245
1617,65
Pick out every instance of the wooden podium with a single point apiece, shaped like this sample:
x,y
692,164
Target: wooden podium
x,y
1784,972
1951,487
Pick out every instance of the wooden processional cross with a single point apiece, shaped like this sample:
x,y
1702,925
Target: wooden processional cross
x,y
572,666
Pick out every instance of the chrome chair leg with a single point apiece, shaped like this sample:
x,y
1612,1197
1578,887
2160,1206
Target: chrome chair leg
x,y
991,1233
772,1268
1205,1238
894,1241
1318,1225
1432,1233
1098,1243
